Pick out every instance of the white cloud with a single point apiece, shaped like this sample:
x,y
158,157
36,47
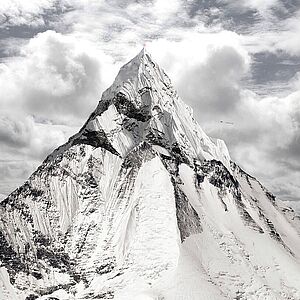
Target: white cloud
x,y
21,135
13,173
18,12
162,10
206,69
24,143
277,35
16,132
262,6
288,39
58,78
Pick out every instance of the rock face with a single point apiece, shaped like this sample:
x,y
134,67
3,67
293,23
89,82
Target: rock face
x,y
142,204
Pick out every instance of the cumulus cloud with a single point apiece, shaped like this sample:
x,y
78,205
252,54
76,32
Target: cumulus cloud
x,y
263,7
18,12
58,78
15,133
218,80
207,70
21,135
24,143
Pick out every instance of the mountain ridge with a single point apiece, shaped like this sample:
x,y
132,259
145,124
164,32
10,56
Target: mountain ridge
x,y
142,204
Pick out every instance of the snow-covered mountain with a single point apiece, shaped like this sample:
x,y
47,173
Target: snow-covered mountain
x,y
142,204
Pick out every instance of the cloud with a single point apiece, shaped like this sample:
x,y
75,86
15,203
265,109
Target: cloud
x,y
275,35
15,133
218,80
24,143
57,78
207,70
288,40
264,139
21,135
18,12
263,7
46,95
123,27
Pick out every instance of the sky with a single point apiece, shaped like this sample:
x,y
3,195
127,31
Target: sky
x,y
236,63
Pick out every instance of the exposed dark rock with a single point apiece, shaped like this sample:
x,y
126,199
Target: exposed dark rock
x,y
272,230
52,289
31,297
41,240
187,218
106,268
96,139
144,90
13,200
107,295
10,259
138,155
156,137
52,253
271,197
55,258
218,175
126,107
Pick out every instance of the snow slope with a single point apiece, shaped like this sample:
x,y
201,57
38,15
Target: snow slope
x,y
142,204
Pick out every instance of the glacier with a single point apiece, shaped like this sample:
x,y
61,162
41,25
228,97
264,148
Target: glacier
x,y
142,204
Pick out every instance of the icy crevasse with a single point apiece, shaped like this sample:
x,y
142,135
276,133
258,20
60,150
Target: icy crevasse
x,y
142,204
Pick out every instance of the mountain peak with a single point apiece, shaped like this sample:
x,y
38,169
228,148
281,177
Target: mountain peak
x,y
138,70
142,106
142,204
142,95
142,53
